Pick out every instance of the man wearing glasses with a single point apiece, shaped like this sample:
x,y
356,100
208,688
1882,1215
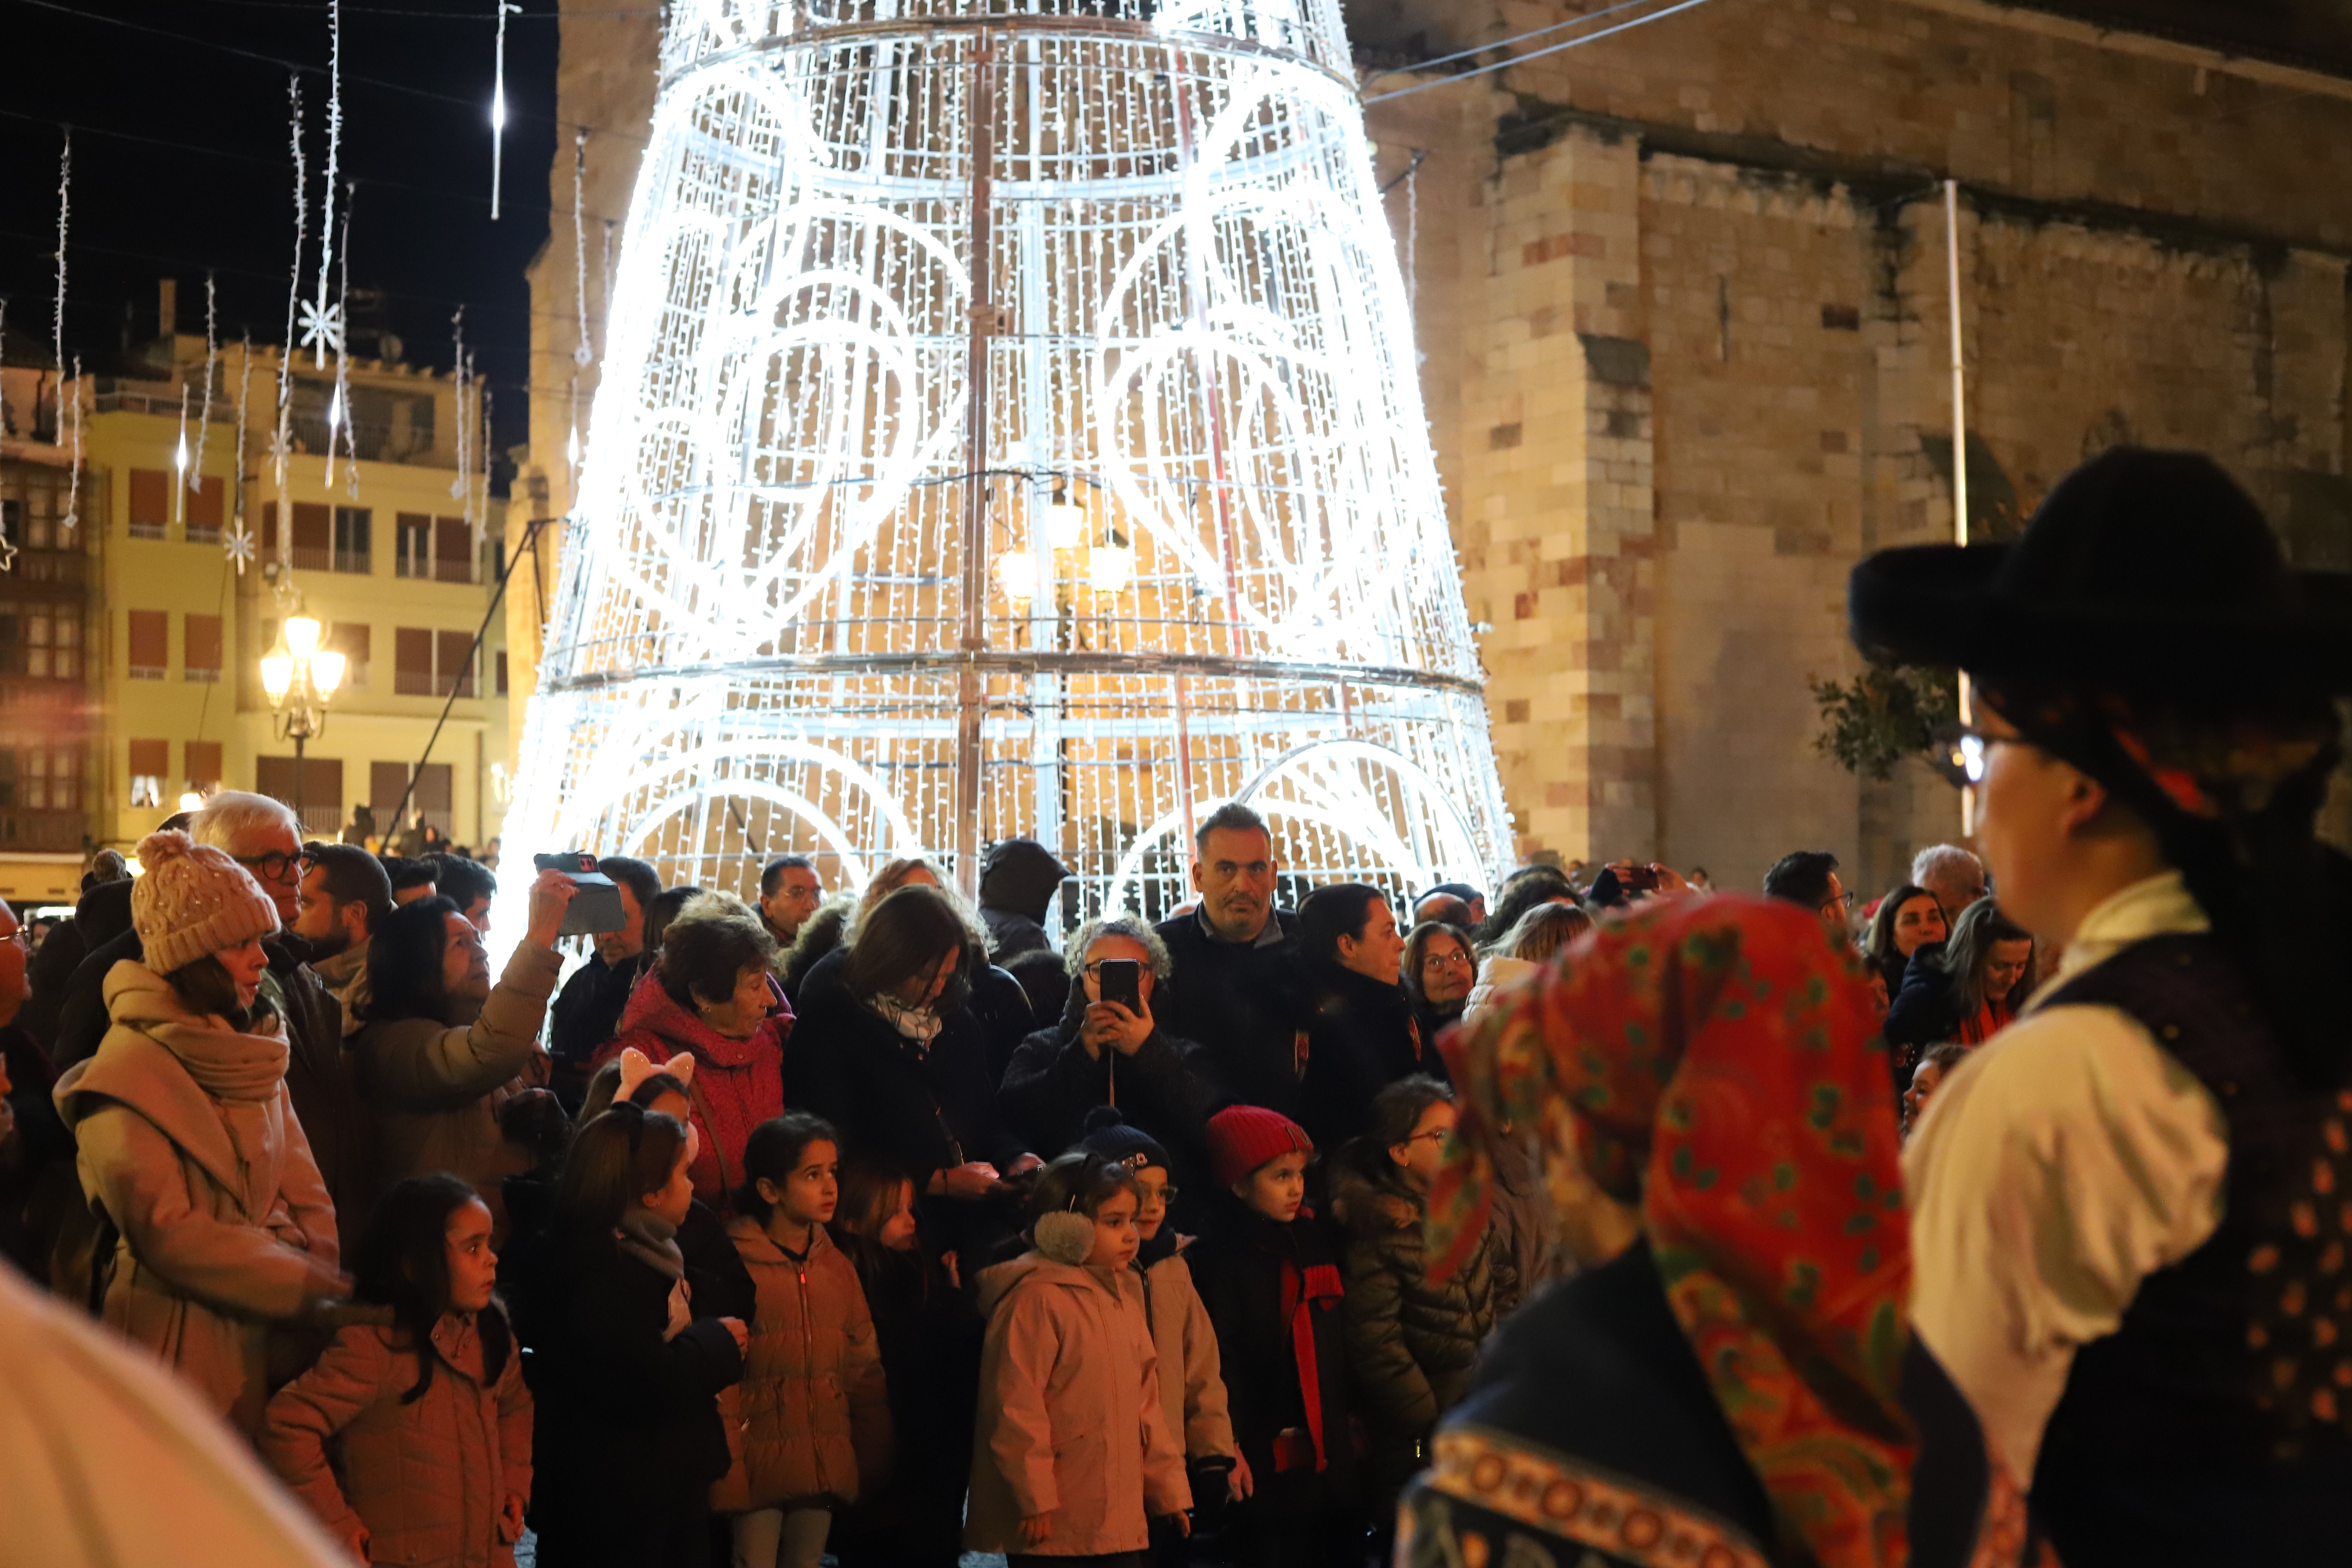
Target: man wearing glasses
x,y
1809,877
2129,1208
261,835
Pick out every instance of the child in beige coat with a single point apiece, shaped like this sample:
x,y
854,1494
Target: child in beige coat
x,y
1073,1454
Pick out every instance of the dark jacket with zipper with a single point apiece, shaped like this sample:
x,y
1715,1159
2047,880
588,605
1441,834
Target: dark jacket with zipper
x,y
1053,1082
1360,1038
1413,1343
627,1440
1243,1270
1240,1002
922,1109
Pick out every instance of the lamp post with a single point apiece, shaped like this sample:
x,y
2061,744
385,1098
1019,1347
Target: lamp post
x,y
301,677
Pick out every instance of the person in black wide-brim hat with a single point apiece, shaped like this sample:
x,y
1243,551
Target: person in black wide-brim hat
x,y
2132,1208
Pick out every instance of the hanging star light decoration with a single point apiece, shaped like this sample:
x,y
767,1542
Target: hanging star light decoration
x,y
238,545
7,553
322,326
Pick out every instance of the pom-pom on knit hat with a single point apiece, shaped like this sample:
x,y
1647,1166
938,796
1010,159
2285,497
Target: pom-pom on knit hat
x,y
1244,1137
1111,1135
192,899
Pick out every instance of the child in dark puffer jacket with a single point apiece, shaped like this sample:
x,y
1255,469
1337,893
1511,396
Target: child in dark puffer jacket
x,y
1411,1343
1271,1287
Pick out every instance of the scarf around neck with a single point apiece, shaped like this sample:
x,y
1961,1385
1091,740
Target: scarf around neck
x,y
227,1063
1718,1062
918,1025
651,1240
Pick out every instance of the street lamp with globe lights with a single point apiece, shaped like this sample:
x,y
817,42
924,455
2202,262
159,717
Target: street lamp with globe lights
x,y
300,679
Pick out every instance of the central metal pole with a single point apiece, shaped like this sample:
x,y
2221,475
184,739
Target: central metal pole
x,y
971,689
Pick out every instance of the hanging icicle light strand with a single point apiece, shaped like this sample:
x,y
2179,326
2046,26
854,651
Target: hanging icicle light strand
x,y
57,324
179,460
211,358
457,374
581,353
321,325
73,471
498,102
343,352
238,542
281,442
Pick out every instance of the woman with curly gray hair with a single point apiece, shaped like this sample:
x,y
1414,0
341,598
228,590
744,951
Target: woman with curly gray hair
x,y
1107,1052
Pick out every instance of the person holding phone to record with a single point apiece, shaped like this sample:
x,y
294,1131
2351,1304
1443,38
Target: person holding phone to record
x,y
1109,1049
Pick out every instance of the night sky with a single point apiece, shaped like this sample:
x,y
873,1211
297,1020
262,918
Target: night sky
x,y
181,163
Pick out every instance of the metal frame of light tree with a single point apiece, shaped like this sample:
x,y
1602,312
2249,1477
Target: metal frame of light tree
x,y
1009,426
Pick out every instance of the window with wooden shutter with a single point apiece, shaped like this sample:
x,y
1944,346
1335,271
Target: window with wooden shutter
x,y
502,672
150,761
354,540
151,502
433,797
203,769
453,549
319,800
351,638
453,663
314,537
200,641
151,644
411,661
412,553
387,781
207,506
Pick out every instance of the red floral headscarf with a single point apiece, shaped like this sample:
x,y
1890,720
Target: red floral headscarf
x,y
1718,1061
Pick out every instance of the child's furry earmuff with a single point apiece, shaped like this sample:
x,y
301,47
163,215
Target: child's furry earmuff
x,y
1064,1236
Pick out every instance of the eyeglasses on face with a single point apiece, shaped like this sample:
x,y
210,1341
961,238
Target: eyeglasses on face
x,y
274,866
1452,958
1842,903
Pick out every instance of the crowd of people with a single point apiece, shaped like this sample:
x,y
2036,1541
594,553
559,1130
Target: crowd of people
x,y
1595,1217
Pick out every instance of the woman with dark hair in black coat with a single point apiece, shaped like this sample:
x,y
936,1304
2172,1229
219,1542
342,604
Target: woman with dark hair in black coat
x,y
1362,1035
894,1057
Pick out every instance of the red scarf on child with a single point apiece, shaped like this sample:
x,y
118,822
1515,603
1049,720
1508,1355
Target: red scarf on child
x,y
1301,1289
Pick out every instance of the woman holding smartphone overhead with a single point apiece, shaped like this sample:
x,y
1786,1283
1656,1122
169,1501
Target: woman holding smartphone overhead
x,y
1109,1049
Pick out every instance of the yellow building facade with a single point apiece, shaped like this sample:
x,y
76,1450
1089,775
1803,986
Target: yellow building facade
x,y
399,571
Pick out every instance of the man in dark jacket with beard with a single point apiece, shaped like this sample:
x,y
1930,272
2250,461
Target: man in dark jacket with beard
x,y
1360,1035
1232,987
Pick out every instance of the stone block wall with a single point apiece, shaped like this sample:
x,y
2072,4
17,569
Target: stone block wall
x,y
1751,209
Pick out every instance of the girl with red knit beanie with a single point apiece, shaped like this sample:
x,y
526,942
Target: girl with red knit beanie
x,y
1271,1283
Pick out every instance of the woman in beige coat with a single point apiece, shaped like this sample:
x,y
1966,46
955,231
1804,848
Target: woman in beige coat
x,y
187,1138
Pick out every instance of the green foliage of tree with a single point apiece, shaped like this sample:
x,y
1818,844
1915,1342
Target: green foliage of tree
x,y
1883,716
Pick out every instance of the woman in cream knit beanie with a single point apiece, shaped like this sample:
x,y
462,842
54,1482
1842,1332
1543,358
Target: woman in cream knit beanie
x,y
187,1139
193,901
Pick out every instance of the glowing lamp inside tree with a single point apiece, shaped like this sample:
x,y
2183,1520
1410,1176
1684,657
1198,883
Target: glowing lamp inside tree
x,y
1008,426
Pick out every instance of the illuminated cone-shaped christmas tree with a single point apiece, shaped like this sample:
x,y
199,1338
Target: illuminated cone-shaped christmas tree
x,y
1009,427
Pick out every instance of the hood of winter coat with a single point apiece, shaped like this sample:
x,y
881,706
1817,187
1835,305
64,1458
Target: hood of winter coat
x,y
1021,877
1372,1207
999,1280
652,1008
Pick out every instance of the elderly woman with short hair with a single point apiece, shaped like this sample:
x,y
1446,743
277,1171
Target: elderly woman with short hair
x,y
1106,1053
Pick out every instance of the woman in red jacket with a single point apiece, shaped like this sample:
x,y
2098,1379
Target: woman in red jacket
x,y
709,997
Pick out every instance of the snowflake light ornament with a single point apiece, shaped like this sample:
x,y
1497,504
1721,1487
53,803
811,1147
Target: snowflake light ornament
x,y
322,327
238,546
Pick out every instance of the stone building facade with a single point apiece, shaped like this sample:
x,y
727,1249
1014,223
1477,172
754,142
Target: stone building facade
x,y
1682,300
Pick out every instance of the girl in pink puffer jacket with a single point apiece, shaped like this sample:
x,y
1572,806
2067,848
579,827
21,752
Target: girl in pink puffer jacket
x,y
434,1464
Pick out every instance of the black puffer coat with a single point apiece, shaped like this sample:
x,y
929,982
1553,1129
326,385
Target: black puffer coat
x,y
1412,1343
